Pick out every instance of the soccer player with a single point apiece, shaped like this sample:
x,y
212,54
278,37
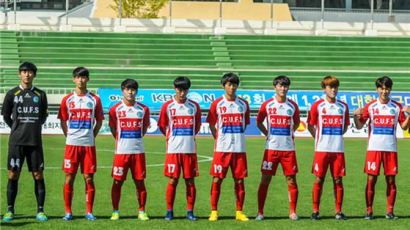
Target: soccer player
x,y
228,117
180,120
25,111
282,119
384,115
129,121
81,116
328,120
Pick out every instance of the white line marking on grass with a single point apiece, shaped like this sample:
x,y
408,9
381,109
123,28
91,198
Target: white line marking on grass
x,y
204,159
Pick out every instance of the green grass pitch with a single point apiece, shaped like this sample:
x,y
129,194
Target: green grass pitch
x,y
276,208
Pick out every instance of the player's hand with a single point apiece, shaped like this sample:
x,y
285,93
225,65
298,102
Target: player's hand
x,y
358,111
406,109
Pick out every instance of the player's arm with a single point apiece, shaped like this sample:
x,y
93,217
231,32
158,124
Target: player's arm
x,y
7,109
211,119
97,127
163,120
146,121
405,124
296,118
262,128
312,120
213,130
64,127
312,130
99,116
347,120
357,113
44,108
113,131
112,121
63,116
260,119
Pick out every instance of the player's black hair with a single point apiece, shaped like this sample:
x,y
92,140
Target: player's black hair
x,y
230,77
385,80
281,80
182,82
129,84
28,66
81,72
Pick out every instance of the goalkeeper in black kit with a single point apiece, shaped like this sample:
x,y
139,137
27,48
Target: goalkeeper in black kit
x,y
25,111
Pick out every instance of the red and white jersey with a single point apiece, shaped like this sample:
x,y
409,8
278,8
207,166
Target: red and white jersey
x,y
180,122
383,120
129,122
330,120
81,112
280,118
230,117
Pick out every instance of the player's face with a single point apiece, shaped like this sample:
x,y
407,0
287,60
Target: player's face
x,y
129,94
384,93
331,92
80,82
230,89
281,90
27,77
181,94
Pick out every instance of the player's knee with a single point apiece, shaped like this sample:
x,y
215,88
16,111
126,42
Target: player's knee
x,y
238,181
338,181
319,180
189,181
38,175
14,175
173,181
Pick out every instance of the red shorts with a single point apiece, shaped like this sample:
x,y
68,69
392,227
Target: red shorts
x,y
134,162
222,161
374,160
323,160
272,158
174,162
83,156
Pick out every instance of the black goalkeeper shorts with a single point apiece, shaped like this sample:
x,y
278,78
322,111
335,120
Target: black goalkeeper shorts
x,y
34,155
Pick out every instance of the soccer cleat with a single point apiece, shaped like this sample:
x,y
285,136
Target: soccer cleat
x,y
213,216
68,217
170,215
190,215
41,216
90,216
340,216
315,216
369,216
8,216
115,215
241,216
391,216
142,215
294,217
259,217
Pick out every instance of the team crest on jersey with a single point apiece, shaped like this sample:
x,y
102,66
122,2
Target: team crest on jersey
x,y
139,114
190,111
90,105
340,111
289,112
35,99
240,109
392,111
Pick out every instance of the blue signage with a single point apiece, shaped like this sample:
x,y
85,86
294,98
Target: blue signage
x,y
155,98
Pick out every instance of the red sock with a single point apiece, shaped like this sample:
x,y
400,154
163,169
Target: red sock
x,y
370,195
262,193
170,195
338,193
316,193
89,196
68,197
240,195
391,195
293,197
141,195
116,195
215,191
190,195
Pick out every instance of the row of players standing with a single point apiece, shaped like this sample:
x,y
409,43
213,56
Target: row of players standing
x,y
25,109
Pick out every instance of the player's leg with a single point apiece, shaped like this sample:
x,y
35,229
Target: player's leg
x,y
319,169
70,167
262,194
290,169
337,169
170,197
390,166
115,198
14,164
219,169
119,174
190,169
239,170
172,170
138,171
35,162
372,168
88,168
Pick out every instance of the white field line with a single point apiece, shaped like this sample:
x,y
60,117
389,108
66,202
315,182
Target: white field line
x,y
204,159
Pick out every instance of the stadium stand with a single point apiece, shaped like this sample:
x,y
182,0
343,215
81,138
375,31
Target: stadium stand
x,y
155,59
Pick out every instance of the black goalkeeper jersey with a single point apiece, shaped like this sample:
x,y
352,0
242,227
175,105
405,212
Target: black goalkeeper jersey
x,y
25,111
